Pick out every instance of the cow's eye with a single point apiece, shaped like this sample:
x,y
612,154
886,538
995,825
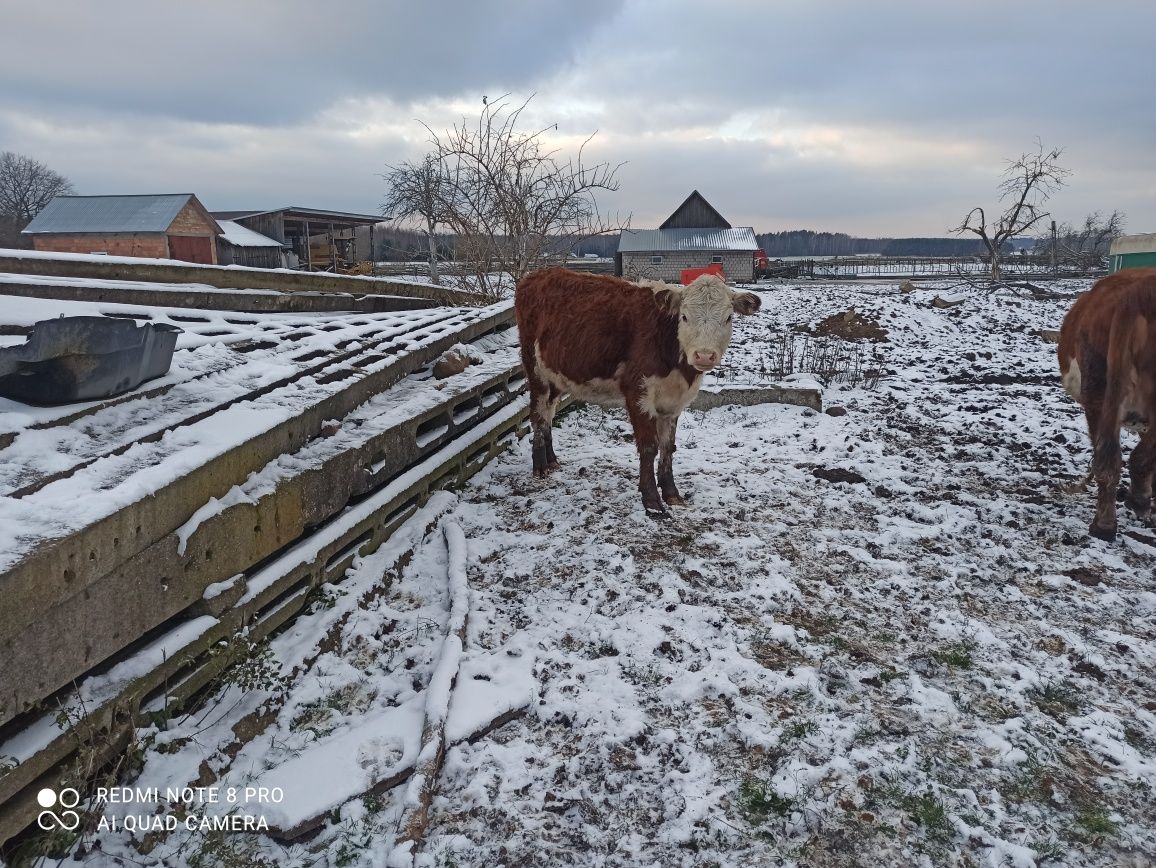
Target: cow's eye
x,y
684,317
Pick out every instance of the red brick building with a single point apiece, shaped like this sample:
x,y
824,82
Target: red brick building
x,y
173,226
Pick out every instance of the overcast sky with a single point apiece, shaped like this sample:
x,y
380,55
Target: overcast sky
x,y
877,119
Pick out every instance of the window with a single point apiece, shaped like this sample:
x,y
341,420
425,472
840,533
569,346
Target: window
x,y
716,259
656,260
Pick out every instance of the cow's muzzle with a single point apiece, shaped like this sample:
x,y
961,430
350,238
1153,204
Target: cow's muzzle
x,y
704,360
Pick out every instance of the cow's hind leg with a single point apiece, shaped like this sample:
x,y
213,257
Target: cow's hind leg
x,y
646,439
541,414
551,459
1141,465
667,428
1106,469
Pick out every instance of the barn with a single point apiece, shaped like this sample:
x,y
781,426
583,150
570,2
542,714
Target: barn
x,y
167,226
694,236
313,239
1132,251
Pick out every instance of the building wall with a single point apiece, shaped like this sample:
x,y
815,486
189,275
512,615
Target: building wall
x,y
253,257
1132,260
192,221
152,245
738,264
269,225
695,214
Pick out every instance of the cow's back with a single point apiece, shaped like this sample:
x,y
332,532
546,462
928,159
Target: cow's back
x,y
582,326
1087,329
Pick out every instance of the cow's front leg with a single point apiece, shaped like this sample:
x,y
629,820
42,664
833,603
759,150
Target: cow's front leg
x,y
646,439
1106,469
667,428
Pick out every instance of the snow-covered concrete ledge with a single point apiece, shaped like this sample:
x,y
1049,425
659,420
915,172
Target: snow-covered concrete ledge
x,y
710,397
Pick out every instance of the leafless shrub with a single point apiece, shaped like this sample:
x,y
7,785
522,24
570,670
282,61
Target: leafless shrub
x,y
828,360
509,198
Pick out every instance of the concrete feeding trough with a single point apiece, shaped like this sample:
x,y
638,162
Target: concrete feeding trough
x,y
83,358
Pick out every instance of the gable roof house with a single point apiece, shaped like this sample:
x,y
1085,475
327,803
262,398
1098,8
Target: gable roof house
x,y
694,236
169,226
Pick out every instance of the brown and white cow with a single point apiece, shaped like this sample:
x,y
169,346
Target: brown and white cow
x,y
616,343
1108,363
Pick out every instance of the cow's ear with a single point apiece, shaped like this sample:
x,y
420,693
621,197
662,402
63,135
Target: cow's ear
x,y
745,303
669,300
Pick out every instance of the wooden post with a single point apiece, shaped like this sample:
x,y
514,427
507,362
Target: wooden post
x,y
308,248
1055,266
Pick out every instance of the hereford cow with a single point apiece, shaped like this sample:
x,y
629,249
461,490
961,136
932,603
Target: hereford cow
x,y
616,343
1108,363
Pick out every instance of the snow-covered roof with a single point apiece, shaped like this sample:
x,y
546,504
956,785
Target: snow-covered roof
x,y
643,240
242,236
1133,244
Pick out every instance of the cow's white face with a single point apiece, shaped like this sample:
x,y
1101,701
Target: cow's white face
x,y
705,311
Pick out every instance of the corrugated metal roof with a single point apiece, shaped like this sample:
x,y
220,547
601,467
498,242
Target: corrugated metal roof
x,y
242,236
109,213
647,240
295,212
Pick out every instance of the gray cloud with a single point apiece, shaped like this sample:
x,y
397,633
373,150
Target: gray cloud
x,y
887,118
267,62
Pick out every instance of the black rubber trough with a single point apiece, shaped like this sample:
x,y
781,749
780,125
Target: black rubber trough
x,y
82,358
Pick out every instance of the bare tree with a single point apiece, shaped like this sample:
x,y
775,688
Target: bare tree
x,y
413,190
510,199
26,186
1028,183
1084,247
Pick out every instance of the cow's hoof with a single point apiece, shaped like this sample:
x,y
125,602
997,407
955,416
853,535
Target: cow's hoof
x,y
658,513
674,499
541,472
1142,506
1106,534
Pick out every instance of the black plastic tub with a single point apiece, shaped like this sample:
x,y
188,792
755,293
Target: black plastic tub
x,y
82,358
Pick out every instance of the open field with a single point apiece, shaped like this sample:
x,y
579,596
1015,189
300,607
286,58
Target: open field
x,y
877,638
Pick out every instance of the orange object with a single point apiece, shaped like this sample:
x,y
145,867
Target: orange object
x,y
689,274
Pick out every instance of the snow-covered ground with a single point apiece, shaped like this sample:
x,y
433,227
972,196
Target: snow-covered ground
x,y
877,638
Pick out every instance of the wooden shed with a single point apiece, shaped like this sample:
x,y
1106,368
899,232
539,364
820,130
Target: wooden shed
x,y
1132,251
694,236
314,239
166,226
239,245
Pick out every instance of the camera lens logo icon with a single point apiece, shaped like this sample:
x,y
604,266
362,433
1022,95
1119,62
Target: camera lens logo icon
x,y
67,819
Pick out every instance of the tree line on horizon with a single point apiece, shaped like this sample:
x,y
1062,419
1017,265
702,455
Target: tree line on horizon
x,y
403,245
808,243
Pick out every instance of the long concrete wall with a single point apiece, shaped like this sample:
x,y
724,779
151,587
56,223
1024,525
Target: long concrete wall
x,y
63,587
201,297
223,277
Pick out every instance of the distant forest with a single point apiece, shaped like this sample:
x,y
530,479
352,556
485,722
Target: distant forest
x,y
405,245
805,242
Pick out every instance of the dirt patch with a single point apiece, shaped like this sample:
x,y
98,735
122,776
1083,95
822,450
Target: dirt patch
x,y
850,325
838,474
